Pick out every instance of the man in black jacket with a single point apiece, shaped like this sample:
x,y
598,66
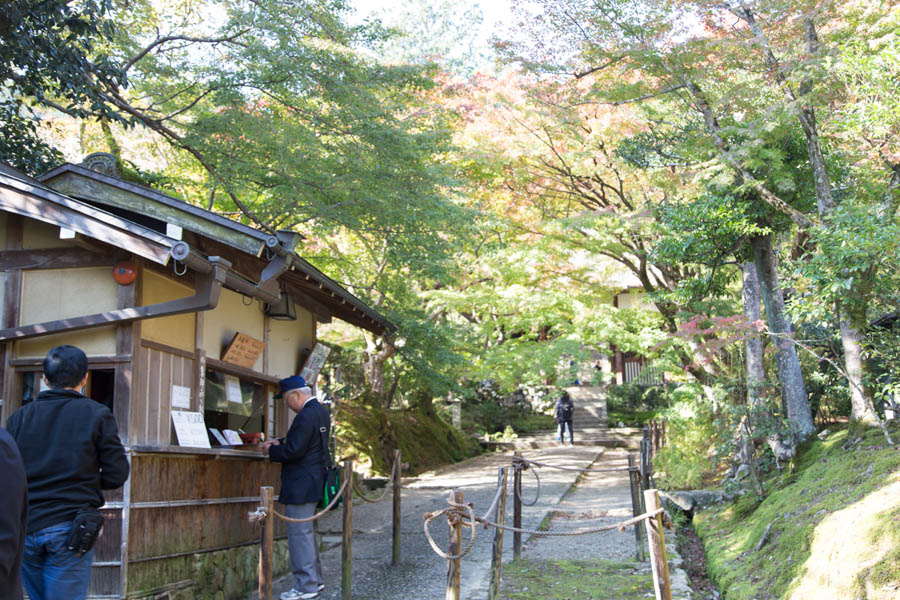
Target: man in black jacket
x,y
72,451
303,454
13,518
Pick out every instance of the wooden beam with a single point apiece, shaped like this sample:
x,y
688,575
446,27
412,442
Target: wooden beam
x,y
55,258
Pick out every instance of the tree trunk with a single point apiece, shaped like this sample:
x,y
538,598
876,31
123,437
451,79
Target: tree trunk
x,y
753,347
851,339
793,390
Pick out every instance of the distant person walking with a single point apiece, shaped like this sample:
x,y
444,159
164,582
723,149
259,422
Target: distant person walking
x,y
72,451
13,517
564,411
303,454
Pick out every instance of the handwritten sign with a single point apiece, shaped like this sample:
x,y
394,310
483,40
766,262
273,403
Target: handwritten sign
x,y
181,396
314,363
243,351
190,429
233,389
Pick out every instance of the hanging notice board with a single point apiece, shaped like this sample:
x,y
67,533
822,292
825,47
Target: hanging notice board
x,y
314,363
243,351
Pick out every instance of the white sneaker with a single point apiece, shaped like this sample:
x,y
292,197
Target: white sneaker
x,y
294,594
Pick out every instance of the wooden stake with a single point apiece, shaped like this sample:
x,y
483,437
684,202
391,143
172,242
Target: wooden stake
x,y
658,561
455,547
497,550
395,482
266,542
634,479
517,508
347,534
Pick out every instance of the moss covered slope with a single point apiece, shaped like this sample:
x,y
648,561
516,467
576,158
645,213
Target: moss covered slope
x,y
835,528
370,434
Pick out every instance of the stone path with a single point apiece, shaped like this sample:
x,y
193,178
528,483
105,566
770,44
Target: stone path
x,y
422,573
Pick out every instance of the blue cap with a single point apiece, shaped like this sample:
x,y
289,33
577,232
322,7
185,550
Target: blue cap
x,y
289,384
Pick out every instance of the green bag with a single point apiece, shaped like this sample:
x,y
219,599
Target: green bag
x,y
332,488
332,476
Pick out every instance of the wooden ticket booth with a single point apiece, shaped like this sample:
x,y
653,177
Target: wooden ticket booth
x,y
181,312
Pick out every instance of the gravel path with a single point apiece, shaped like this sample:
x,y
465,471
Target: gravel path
x,y
422,573
600,498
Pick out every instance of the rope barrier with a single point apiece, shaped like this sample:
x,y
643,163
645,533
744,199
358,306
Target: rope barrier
x,y
576,469
454,512
493,506
522,464
384,492
315,516
620,526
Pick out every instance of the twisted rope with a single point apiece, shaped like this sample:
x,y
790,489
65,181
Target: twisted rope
x,y
577,469
521,464
390,484
317,515
455,512
620,526
493,507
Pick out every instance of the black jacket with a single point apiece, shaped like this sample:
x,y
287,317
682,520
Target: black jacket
x,y
13,518
303,455
72,450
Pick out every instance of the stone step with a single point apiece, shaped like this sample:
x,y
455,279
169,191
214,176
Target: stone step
x,y
620,437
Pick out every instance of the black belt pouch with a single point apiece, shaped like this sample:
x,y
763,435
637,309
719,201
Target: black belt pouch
x,y
85,530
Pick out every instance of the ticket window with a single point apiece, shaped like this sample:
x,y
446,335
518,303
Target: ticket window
x,y
236,403
100,386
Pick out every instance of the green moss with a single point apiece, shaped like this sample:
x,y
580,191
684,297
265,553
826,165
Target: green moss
x,y
372,434
884,574
829,476
565,579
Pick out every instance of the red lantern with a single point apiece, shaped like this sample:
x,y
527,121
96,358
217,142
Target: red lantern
x,y
124,273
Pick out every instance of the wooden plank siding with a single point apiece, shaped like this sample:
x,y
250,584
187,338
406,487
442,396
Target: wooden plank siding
x,y
182,505
156,370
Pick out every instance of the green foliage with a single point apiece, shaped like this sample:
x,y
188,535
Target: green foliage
x,y
49,58
691,437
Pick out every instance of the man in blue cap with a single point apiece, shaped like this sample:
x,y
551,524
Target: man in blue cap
x,y
303,454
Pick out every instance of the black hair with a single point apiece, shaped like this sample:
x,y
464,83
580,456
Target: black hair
x,y
65,366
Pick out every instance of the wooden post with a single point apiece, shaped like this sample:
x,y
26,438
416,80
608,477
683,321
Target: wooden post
x,y
497,550
347,533
658,561
395,482
645,463
517,507
634,479
455,547
266,542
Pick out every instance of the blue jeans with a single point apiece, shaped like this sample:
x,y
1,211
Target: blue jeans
x,y
561,434
50,571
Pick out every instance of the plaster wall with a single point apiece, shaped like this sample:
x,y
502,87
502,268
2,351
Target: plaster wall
x,y
38,234
177,330
635,300
52,294
286,341
232,315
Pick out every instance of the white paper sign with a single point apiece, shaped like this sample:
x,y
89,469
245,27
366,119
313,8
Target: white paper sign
x,y
233,389
190,429
181,396
232,437
219,437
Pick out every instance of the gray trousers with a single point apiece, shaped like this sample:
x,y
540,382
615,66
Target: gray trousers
x,y
305,563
